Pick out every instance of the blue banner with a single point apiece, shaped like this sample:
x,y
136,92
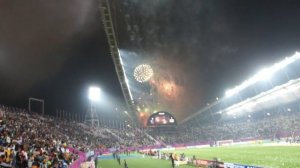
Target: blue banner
x,y
233,165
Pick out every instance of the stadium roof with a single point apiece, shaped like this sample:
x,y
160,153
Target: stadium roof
x,y
264,74
239,99
279,95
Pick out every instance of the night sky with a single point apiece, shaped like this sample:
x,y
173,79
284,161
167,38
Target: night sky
x,y
54,50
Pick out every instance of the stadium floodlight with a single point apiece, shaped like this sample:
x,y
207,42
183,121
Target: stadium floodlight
x,y
230,93
263,74
94,93
233,110
248,106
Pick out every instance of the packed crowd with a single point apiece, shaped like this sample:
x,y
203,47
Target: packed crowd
x,y
133,137
280,126
29,139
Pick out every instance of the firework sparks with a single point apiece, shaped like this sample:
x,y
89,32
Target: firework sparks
x,y
143,73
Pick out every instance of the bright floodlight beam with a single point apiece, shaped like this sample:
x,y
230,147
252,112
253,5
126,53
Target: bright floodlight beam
x,y
264,74
94,93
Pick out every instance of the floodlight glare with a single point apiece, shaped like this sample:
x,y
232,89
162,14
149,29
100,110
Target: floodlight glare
x,y
267,99
230,92
264,74
94,93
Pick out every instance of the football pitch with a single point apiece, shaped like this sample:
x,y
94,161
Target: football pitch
x,y
257,155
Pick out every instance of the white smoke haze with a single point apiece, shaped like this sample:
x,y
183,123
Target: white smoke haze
x,y
176,37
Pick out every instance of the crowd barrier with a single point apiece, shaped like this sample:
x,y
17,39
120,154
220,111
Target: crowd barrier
x,y
233,165
82,162
219,164
81,157
90,164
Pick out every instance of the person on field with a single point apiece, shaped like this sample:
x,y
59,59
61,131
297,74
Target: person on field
x,y
119,159
172,160
125,164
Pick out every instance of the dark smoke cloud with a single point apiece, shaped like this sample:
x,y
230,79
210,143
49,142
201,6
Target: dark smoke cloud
x,y
201,46
36,38
177,36
212,44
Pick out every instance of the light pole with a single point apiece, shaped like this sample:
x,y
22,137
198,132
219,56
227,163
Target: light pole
x,y
94,96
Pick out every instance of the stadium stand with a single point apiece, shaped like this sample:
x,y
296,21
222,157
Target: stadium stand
x,y
29,139
280,123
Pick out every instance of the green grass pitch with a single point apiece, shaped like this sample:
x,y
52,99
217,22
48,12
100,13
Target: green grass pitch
x,y
138,163
259,155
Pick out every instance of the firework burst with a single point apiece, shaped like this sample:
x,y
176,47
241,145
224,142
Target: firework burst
x,y
143,73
